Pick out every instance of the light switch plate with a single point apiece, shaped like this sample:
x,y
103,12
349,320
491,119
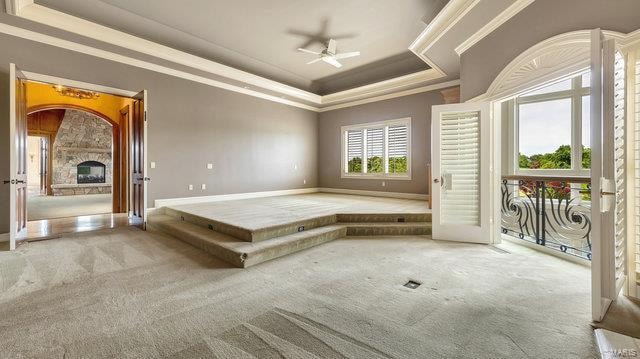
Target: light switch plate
x,y
190,187
203,186
153,165
209,166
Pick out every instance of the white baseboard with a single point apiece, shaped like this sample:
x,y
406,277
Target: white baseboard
x,y
418,196
230,197
4,237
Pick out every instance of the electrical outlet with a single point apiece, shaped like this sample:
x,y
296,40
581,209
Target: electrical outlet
x,y
209,166
304,181
384,184
190,187
153,165
203,186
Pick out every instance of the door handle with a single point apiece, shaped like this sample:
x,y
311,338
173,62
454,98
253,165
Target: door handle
x,y
8,182
20,181
436,180
605,193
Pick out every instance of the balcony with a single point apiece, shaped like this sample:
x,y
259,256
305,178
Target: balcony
x,y
554,212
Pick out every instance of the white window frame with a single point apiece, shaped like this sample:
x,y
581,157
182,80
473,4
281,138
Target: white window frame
x,y
576,93
364,175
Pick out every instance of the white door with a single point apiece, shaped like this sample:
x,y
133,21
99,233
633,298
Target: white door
x,y
18,155
139,159
608,172
460,150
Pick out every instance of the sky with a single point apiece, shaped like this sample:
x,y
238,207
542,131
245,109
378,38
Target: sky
x,y
544,126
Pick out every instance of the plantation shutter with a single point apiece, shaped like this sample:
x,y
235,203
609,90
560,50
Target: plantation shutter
x,y
398,148
460,168
619,171
375,150
354,150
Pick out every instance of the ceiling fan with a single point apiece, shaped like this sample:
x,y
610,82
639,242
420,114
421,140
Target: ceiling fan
x,y
330,55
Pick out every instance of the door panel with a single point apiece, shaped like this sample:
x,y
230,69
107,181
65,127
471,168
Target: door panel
x,y
461,177
139,159
18,155
608,172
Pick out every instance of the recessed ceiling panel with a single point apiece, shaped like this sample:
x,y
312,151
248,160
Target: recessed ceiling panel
x,y
262,37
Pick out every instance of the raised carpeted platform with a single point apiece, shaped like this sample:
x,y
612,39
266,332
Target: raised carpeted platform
x,y
249,232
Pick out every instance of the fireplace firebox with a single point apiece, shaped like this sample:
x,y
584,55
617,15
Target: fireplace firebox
x,y
91,172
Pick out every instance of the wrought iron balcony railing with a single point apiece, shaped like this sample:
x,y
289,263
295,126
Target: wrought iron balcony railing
x,y
554,212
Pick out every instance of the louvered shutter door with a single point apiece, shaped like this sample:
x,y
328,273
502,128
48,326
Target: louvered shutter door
x,y
460,168
398,149
619,170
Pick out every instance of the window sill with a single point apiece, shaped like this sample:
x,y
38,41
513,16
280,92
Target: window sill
x,y
377,177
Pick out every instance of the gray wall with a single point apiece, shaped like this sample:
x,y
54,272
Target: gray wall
x,y
418,107
253,143
539,21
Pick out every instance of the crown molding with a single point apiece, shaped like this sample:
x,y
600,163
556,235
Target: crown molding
x,y
395,84
492,25
396,87
60,20
448,17
414,91
88,50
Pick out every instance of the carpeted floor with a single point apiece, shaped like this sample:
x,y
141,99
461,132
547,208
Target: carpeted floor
x,y
48,207
256,213
128,293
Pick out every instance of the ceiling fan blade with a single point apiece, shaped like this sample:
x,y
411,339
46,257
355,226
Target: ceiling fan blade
x,y
346,55
332,61
314,61
308,51
332,47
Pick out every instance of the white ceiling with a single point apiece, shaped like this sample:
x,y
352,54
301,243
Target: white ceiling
x,y
261,36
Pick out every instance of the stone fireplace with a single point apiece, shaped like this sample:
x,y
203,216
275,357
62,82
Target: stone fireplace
x,y
82,155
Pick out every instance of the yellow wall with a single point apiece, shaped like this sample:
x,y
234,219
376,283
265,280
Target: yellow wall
x,y
39,94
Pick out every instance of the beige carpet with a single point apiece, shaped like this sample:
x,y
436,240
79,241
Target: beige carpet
x,y
258,213
125,293
48,207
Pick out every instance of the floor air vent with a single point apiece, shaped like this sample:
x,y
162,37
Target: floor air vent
x,y
401,219
412,284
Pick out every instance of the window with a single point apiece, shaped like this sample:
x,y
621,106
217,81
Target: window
x,y
377,150
551,127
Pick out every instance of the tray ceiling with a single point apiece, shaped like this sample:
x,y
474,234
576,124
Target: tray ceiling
x,y
261,37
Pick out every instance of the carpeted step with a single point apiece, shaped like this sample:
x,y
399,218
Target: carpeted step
x,y
249,235
388,229
383,217
238,252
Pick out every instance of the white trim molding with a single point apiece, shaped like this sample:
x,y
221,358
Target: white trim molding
x,y
448,17
289,95
437,86
560,56
492,25
32,76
